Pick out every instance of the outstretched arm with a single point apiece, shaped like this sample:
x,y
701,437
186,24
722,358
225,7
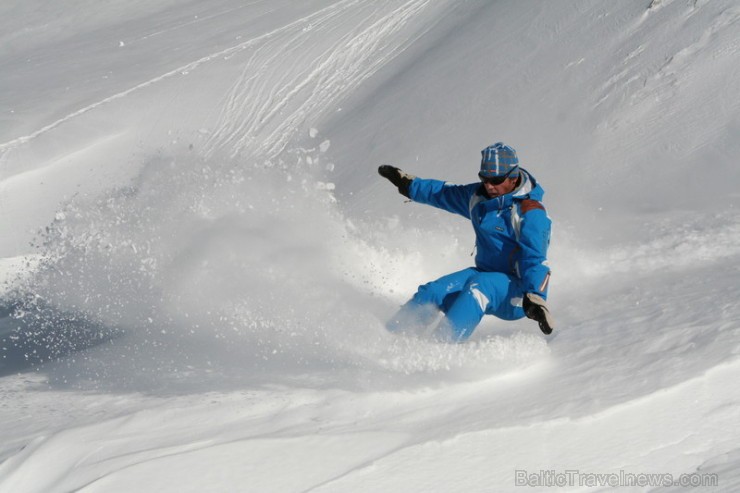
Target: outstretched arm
x,y
452,198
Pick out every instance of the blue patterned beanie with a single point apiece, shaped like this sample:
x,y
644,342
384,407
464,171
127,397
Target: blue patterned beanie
x,y
498,160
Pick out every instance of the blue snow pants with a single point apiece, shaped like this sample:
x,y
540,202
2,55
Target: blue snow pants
x,y
464,297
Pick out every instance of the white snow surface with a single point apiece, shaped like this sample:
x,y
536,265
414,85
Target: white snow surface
x,y
197,255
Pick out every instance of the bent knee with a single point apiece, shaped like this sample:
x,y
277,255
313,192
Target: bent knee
x,y
488,289
430,293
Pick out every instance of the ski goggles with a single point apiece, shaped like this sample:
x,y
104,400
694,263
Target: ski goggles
x,y
496,180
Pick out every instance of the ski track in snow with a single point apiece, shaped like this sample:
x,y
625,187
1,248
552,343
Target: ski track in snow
x,y
262,114
331,75
184,69
337,69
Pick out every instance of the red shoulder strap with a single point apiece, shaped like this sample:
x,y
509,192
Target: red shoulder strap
x,y
529,204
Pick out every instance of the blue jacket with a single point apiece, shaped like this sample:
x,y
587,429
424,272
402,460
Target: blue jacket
x,y
512,231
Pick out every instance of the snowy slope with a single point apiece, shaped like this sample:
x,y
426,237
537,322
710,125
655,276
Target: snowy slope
x,y
197,254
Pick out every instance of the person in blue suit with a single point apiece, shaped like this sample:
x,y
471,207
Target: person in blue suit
x,y
512,233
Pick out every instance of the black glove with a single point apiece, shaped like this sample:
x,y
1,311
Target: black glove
x,y
535,307
397,177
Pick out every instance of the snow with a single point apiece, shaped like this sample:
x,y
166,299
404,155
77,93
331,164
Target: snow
x,y
197,254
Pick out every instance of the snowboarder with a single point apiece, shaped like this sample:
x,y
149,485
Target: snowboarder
x,y
512,234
